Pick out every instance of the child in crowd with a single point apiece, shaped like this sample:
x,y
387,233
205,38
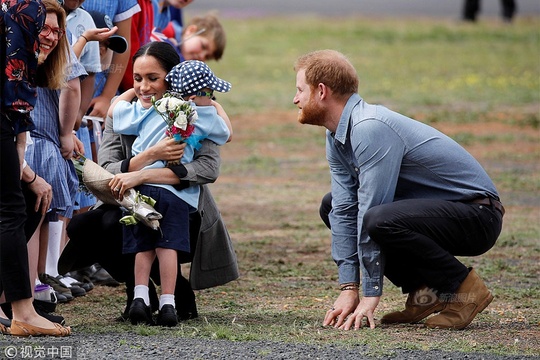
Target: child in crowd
x,y
154,73
109,43
78,21
203,38
168,11
54,116
142,25
120,12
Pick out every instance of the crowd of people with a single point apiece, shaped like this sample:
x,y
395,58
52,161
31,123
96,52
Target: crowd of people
x,y
89,53
91,93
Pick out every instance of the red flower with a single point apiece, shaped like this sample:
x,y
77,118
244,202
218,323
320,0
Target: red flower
x,y
16,68
187,133
20,104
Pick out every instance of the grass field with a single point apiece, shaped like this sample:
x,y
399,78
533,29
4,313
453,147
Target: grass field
x,y
478,83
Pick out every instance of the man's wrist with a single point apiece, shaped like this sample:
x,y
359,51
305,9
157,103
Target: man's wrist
x,y
349,286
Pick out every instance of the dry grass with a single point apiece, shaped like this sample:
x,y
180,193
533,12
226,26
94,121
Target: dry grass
x,y
273,176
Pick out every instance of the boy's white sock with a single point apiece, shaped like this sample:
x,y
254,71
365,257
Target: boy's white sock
x,y
141,291
166,299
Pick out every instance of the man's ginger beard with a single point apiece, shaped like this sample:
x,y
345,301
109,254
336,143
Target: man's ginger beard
x,y
312,113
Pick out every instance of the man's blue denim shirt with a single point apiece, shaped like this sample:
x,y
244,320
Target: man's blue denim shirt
x,y
378,156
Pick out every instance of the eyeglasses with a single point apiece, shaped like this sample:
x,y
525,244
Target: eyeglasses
x,y
46,30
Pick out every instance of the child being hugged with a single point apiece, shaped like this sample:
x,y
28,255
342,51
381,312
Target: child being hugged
x,y
192,81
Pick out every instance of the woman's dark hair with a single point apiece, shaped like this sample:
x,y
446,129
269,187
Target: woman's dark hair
x,y
163,52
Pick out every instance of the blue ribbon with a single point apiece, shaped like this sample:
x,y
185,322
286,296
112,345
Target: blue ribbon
x,y
193,140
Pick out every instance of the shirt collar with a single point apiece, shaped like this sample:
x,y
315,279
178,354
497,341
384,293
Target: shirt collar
x,y
343,126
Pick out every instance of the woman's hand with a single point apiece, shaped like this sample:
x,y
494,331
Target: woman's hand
x,y
168,150
43,191
120,183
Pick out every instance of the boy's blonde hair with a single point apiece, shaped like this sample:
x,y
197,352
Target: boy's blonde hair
x,y
51,74
213,31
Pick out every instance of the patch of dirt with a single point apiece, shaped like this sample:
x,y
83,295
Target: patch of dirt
x,y
265,212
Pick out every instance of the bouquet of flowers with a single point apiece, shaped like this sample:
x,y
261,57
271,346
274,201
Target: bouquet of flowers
x,y
95,179
179,115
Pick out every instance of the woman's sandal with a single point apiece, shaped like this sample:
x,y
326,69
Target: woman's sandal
x,y
22,329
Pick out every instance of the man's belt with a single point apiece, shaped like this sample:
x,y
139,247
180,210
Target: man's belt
x,y
490,202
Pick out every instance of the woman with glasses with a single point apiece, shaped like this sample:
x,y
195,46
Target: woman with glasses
x,y
54,116
20,24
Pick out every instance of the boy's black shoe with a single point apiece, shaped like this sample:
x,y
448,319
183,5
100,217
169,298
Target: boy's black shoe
x,y
167,316
140,313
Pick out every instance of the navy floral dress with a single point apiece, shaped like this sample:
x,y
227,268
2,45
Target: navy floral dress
x,y
20,24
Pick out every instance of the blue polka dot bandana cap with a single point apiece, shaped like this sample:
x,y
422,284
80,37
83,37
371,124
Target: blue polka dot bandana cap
x,y
190,76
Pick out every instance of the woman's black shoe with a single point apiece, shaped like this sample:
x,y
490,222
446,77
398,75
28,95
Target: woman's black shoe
x,y
139,313
167,316
5,322
51,317
188,314
46,306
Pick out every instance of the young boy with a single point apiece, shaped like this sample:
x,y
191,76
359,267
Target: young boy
x,y
203,38
194,81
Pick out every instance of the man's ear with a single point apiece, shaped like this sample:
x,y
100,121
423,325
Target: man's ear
x,y
322,91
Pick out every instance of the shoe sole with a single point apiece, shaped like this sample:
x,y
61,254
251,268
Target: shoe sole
x,y
478,310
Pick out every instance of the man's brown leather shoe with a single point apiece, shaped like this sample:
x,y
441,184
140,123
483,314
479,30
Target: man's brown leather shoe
x,y
419,305
471,297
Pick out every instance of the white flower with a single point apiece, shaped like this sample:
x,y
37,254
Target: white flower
x,y
162,105
181,121
175,103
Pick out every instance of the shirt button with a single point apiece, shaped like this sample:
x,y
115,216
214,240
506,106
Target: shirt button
x,y
376,288
377,263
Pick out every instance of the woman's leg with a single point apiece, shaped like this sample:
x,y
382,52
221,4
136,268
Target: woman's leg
x,y
14,270
33,255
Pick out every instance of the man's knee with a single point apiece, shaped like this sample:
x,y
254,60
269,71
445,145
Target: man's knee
x,y
325,208
376,223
